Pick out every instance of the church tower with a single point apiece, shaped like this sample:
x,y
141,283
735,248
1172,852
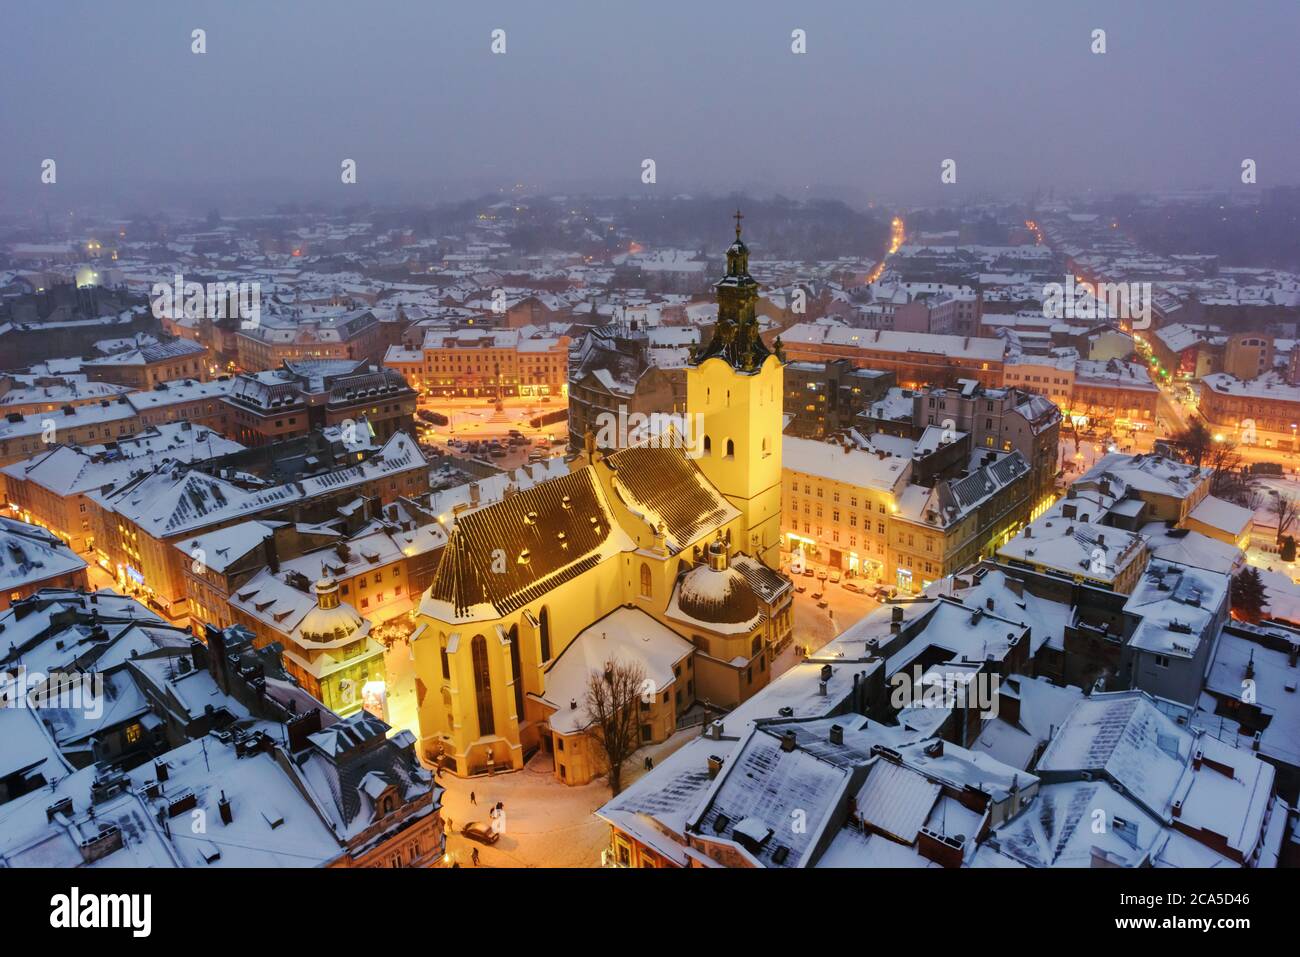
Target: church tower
x,y
735,390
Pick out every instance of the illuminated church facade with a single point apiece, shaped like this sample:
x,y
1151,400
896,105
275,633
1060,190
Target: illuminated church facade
x,y
664,553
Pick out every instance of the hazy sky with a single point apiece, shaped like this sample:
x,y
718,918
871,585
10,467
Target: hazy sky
x,y
587,90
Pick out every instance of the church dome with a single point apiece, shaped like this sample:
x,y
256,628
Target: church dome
x,y
331,621
716,593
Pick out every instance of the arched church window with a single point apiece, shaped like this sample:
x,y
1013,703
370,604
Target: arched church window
x,y
482,686
544,620
516,672
647,582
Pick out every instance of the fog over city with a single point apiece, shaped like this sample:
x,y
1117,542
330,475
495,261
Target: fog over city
x,y
606,437
585,92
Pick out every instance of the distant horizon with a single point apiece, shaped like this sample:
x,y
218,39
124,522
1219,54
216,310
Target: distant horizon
x,y
1014,93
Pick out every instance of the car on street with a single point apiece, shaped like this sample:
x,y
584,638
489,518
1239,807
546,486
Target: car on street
x,y
851,585
478,831
836,575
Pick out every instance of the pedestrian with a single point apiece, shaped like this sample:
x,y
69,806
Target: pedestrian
x,y
472,799
474,856
449,826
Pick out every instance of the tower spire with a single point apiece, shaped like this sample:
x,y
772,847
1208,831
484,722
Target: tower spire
x,y
736,333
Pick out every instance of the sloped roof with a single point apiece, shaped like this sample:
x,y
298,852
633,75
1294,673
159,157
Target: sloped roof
x,y
518,549
662,484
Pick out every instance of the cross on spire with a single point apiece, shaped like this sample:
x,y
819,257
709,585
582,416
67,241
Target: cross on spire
x,y
739,216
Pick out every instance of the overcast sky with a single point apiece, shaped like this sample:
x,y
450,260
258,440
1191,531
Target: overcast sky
x,y
586,90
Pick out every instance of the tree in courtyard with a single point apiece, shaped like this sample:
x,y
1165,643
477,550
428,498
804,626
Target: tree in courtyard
x,y
1231,480
1247,594
1195,442
614,698
1284,510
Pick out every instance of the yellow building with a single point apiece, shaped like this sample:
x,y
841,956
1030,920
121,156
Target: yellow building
x,y
737,385
838,505
660,553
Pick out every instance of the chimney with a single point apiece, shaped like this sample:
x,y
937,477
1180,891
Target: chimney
x,y
216,640
474,494
223,808
988,603
787,741
837,732
935,748
271,548
301,726
160,769
1292,654
715,765
944,850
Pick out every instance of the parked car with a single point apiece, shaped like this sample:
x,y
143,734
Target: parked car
x,y
836,575
851,585
810,572
478,831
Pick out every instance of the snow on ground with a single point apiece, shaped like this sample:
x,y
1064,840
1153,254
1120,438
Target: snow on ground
x,y
548,824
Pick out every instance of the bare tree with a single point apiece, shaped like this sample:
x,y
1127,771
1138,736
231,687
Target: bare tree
x,y
1285,509
613,705
1231,480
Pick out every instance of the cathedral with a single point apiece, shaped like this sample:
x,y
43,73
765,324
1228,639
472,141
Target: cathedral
x,y
662,553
